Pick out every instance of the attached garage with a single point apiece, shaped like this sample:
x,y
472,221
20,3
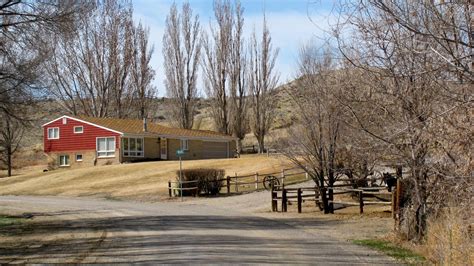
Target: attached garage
x,y
214,150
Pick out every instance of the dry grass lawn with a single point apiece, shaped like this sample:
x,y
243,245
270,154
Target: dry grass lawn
x,y
145,181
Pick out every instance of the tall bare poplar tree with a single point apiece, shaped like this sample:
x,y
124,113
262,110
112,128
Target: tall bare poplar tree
x,y
262,82
181,51
141,71
216,63
238,80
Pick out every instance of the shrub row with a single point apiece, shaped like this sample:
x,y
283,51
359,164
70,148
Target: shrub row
x,y
208,181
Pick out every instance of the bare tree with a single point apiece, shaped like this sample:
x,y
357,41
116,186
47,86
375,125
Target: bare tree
x,y
262,82
25,28
91,69
142,73
414,64
181,51
315,143
216,62
11,132
238,81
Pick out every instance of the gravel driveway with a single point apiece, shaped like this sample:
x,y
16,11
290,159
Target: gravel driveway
x,y
218,231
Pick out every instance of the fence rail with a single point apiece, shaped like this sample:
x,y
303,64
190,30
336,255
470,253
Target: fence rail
x,y
247,182
325,196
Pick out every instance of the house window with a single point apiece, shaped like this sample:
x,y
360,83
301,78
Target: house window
x,y
79,157
53,133
184,145
106,147
78,129
133,147
63,160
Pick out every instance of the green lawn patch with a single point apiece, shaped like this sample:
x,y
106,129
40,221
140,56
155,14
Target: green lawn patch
x,y
391,249
6,220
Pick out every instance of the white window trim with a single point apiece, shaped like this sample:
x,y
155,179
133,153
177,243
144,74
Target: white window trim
x,y
187,144
97,152
74,130
47,132
137,156
82,157
64,165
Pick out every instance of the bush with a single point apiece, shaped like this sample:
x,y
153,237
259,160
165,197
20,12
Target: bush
x,y
209,181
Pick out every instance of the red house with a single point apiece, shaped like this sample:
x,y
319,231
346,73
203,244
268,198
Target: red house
x,y
80,141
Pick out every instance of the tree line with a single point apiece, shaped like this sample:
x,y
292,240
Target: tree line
x,y
239,75
392,86
90,56
94,60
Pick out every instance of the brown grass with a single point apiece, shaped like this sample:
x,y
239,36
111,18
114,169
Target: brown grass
x,y
138,181
449,240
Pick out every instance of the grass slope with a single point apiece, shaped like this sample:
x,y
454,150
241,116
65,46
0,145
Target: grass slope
x,y
138,181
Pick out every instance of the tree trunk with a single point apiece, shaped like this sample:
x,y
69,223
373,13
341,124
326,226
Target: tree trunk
x,y
261,144
330,191
239,146
9,160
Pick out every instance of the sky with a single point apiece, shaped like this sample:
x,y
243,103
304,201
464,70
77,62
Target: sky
x,y
292,23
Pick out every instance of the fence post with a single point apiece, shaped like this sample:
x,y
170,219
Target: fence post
x,y
399,190
300,200
325,200
283,177
256,181
274,200
169,188
394,199
228,184
284,201
361,201
236,183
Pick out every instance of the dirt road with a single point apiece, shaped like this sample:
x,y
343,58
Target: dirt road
x,y
224,230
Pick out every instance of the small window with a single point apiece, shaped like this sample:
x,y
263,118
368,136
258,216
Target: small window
x,y
63,160
184,145
78,129
78,157
53,133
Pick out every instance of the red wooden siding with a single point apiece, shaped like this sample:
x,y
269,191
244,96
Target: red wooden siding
x,y
69,141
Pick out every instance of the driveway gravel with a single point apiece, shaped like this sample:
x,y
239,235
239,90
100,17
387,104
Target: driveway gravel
x,y
228,230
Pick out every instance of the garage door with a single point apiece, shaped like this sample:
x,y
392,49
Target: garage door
x,y
214,150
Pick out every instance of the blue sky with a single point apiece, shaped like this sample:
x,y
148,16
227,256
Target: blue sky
x,y
292,23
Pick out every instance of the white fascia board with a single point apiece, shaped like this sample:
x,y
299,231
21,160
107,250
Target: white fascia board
x,y
85,122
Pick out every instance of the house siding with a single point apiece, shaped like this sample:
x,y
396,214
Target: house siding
x,y
196,149
88,158
70,141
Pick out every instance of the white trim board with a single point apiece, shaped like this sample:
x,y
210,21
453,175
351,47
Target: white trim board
x,y
82,121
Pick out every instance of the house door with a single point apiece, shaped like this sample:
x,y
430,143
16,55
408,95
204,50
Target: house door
x,y
164,149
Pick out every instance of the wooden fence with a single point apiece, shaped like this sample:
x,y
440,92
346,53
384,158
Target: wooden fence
x,y
246,183
364,196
